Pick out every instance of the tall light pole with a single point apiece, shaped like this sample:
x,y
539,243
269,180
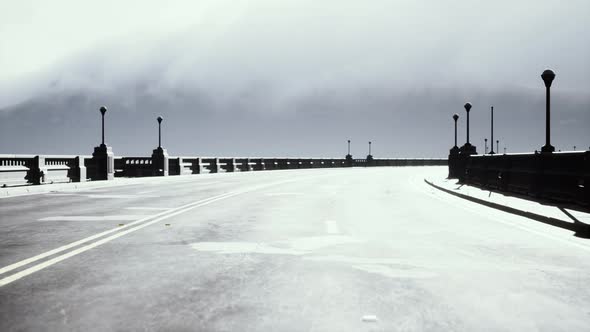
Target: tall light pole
x,y
485,145
455,117
160,132
467,148
369,148
103,110
348,147
548,76
492,137
497,145
467,109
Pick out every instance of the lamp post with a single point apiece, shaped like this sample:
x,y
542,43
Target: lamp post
x,y
102,165
485,145
160,132
467,109
349,147
497,145
103,110
160,165
492,137
574,148
504,150
467,148
455,117
548,76
369,148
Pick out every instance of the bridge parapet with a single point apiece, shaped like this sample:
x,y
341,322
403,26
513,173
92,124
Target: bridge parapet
x,y
40,169
558,176
16,170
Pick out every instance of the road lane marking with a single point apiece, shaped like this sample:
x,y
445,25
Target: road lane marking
x,y
123,230
123,217
41,266
87,239
369,318
332,227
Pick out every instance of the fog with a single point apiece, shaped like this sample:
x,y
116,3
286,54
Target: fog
x,y
290,78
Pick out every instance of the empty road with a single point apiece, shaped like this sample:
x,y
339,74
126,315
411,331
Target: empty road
x,y
361,249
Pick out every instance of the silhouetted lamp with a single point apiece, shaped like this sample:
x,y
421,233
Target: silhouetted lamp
x,y
103,110
548,76
467,109
492,131
102,165
160,157
485,140
349,160
160,131
467,148
369,156
455,117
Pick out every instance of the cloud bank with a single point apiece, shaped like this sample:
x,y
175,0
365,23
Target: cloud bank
x,y
296,77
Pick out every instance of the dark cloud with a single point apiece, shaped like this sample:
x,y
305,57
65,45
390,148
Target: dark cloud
x,y
300,79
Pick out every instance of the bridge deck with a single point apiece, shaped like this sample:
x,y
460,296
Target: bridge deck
x,y
323,249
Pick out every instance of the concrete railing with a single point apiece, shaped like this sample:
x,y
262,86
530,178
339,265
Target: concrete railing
x,y
30,169
18,170
559,176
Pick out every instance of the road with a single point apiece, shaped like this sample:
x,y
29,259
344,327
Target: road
x,y
363,249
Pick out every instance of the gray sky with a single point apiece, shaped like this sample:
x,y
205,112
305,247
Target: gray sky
x,y
290,77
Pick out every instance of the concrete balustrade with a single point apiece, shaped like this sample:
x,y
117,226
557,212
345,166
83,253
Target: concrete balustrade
x,y
18,170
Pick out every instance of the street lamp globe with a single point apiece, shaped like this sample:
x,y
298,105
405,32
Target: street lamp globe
x,y
548,76
467,107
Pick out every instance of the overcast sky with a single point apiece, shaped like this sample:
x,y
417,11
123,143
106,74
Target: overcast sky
x,y
294,77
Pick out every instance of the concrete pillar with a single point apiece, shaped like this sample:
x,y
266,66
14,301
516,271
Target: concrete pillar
x,y
102,163
160,162
37,171
79,170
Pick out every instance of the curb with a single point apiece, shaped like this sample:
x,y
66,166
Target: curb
x,y
580,229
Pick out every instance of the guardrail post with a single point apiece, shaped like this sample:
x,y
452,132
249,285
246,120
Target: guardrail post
x,y
349,160
78,170
37,171
586,178
102,163
160,162
214,166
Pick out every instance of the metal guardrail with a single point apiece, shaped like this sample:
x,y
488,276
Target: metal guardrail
x,y
18,170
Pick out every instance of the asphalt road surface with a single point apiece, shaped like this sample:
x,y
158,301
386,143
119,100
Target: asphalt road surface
x,y
363,249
